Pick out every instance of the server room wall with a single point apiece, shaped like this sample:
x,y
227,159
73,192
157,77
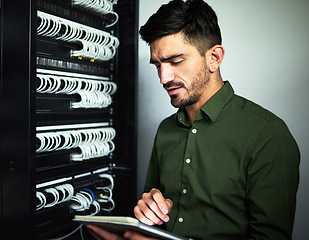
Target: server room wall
x,y
262,41
67,114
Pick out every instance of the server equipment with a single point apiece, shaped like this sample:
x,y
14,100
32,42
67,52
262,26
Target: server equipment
x,y
67,114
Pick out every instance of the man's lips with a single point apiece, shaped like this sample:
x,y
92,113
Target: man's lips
x,y
173,90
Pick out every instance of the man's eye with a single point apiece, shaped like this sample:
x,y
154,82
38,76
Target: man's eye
x,y
176,63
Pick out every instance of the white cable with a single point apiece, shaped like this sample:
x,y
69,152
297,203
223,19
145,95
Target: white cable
x,y
65,188
111,201
97,208
42,199
106,194
61,189
55,194
116,20
80,203
110,178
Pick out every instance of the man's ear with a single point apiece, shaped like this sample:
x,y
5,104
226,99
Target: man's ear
x,y
215,56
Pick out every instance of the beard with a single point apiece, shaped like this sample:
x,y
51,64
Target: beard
x,y
189,99
193,91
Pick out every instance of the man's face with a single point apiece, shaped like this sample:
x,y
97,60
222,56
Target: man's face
x,y
181,69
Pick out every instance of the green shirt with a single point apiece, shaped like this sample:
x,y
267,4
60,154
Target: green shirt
x,y
232,174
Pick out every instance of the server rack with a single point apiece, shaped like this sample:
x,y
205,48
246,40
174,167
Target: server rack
x,y
37,123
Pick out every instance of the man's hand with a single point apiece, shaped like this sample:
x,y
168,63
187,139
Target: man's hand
x,y
153,208
100,234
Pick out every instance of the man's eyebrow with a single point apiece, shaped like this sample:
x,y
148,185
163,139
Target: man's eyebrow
x,y
166,59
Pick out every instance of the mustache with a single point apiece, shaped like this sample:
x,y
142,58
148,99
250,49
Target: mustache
x,y
173,84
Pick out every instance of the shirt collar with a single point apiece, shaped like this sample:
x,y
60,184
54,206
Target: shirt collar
x,y
212,108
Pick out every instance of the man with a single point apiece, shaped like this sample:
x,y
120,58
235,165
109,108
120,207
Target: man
x,y
222,167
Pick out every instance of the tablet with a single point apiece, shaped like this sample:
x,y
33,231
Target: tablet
x,y
119,225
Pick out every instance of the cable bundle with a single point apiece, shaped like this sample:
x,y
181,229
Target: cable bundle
x,y
106,197
92,100
96,44
66,191
93,150
94,142
98,6
83,200
93,93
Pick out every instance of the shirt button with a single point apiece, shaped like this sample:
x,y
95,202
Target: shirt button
x,y
188,160
184,191
194,131
180,219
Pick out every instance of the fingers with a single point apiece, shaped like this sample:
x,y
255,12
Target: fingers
x,y
160,201
153,208
100,234
145,215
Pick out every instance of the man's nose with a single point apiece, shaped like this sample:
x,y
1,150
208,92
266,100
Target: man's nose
x,y
166,74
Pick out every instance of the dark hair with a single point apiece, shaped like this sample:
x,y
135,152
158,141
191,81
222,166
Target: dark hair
x,y
195,18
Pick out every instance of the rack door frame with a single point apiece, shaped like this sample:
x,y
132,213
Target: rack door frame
x,y
17,112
